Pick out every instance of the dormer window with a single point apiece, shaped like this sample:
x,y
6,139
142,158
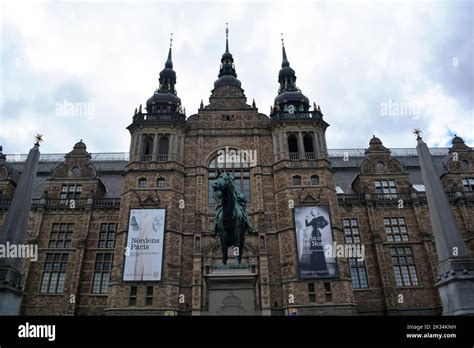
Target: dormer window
x,y
385,187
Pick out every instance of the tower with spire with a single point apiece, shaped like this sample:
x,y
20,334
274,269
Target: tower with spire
x,y
154,178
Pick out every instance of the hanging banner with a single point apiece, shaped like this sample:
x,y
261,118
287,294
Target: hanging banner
x,y
144,251
313,233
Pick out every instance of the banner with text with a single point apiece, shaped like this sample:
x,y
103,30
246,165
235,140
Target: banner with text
x,y
144,251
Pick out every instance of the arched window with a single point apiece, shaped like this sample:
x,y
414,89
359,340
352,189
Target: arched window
x,y
160,183
314,180
147,148
232,163
308,143
163,148
293,146
142,183
296,180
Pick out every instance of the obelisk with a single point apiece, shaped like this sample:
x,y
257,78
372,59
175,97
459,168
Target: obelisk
x,y
13,234
455,281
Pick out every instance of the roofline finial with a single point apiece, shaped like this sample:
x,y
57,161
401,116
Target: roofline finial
x,y
227,37
171,40
282,40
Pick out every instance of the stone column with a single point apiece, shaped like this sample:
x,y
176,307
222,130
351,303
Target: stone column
x,y
301,145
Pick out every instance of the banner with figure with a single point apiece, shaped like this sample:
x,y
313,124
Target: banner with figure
x,y
144,251
313,233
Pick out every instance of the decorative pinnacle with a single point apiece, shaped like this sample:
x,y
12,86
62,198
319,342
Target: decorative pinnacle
x,y
171,40
282,40
227,30
417,131
38,138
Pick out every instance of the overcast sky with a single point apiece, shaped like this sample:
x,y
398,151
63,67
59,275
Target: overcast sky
x,y
378,68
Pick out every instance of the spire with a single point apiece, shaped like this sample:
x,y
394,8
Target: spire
x,y
227,38
165,99
169,62
455,265
227,74
285,63
288,92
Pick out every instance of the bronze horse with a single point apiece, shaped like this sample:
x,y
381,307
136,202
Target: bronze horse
x,y
231,221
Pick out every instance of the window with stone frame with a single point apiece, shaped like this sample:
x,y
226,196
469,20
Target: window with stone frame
x,y
149,296
468,184
396,229
107,235
54,273
311,293
314,180
296,180
142,183
61,235
386,188
132,301
160,183
357,267
240,171
351,230
70,191
102,270
404,266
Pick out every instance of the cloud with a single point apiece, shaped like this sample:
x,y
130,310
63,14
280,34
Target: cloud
x,y
349,57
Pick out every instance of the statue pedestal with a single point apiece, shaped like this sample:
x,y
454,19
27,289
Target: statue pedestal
x,y
231,291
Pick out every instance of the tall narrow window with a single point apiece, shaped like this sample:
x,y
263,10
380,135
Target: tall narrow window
x,y
147,149
308,143
293,146
404,266
357,266
133,296
163,148
54,273
102,269
149,296
311,293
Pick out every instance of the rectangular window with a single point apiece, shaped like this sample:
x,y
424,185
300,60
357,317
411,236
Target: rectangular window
x,y
358,273
396,229
328,292
61,236
351,231
149,296
102,270
70,192
386,188
311,293
404,266
107,235
468,184
54,273
133,296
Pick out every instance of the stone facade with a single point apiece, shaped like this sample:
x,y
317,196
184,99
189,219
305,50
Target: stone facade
x,y
168,167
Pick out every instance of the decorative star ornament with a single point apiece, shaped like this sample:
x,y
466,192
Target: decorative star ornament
x,y
39,138
417,132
